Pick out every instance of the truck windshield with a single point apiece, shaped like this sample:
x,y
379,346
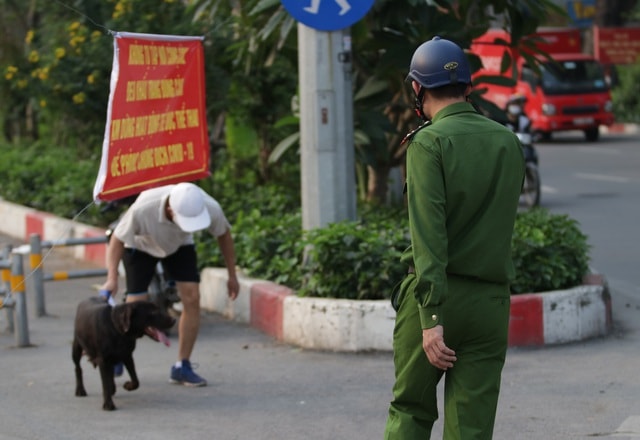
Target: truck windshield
x,y
580,76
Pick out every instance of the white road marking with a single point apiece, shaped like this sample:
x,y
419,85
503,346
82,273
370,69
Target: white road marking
x,y
602,177
630,428
600,150
548,189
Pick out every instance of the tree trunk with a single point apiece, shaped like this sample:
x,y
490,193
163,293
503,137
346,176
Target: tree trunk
x,y
378,184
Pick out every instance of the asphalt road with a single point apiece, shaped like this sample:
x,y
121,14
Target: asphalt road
x,y
262,389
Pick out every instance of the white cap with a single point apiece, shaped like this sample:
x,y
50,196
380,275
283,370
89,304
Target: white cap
x,y
189,210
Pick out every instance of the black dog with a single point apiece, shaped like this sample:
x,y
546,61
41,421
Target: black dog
x,y
107,335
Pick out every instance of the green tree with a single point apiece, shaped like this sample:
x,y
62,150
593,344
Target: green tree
x,y
61,63
383,43
18,111
613,12
64,69
261,68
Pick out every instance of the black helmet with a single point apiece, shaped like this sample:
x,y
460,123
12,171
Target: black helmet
x,y
439,62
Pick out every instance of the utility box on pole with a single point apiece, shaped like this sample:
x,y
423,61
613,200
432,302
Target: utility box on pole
x,y
328,179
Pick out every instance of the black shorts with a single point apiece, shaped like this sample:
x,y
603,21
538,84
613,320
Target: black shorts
x,y
139,267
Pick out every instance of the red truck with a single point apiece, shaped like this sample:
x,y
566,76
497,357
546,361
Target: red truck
x,y
568,93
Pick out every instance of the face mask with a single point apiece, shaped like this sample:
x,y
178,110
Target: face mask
x,y
514,109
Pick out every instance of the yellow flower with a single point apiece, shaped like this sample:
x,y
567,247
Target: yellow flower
x,y
43,103
91,79
79,98
29,37
60,52
23,83
95,35
74,26
118,10
76,40
43,73
121,8
34,57
10,72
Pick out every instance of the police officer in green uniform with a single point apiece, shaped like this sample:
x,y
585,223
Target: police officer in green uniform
x,y
464,175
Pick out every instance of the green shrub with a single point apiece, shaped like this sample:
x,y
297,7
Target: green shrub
x,y
267,246
549,252
626,95
353,260
361,260
357,259
48,179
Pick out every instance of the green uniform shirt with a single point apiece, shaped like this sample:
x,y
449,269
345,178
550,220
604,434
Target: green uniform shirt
x,y
464,176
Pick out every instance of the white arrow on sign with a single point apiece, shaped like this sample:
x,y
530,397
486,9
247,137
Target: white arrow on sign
x,y
315,6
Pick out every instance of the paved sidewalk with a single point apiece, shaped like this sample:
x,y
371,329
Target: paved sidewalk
x,y
262,389
258,388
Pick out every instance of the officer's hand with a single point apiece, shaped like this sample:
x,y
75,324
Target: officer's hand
x,y
439,355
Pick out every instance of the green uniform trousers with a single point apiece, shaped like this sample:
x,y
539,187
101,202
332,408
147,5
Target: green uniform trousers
x,y
476,322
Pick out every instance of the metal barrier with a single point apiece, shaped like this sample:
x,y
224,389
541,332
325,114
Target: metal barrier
x,y
12,286
38,276
6,302
14,299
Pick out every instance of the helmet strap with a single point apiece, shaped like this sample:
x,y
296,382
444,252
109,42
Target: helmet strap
x,y
418,104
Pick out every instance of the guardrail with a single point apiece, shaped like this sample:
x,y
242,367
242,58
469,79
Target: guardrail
x,y
12,287
13,299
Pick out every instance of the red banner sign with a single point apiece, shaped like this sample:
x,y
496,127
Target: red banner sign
x,y
156,131
616,45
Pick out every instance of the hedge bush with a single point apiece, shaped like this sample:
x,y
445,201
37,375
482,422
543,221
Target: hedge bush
x,y
49,179
549,252
358,259
626,94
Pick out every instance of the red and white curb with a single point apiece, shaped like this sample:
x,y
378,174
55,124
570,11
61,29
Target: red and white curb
x,y
538,319
620,128
21,222
561,316
338,324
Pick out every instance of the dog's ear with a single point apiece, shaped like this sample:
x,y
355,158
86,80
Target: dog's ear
x,y
121,316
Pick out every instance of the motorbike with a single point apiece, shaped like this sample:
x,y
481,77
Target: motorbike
x,y
162,291
530,194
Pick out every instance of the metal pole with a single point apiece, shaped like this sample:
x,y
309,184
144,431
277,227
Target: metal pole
x,y
326,127
74,241
17,289
5,255
35,260
72,274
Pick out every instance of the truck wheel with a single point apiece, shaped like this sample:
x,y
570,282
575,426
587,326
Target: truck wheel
x,y
592,134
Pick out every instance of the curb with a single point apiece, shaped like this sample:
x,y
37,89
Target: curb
x,y
620,128
561,316
27,221
536,319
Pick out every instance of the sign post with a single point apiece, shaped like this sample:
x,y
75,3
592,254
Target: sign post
x,y
326,108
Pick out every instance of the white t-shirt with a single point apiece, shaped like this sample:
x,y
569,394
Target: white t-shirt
x,y
145,226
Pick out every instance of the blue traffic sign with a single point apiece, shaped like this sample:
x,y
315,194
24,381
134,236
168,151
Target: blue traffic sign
x,y
327,15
